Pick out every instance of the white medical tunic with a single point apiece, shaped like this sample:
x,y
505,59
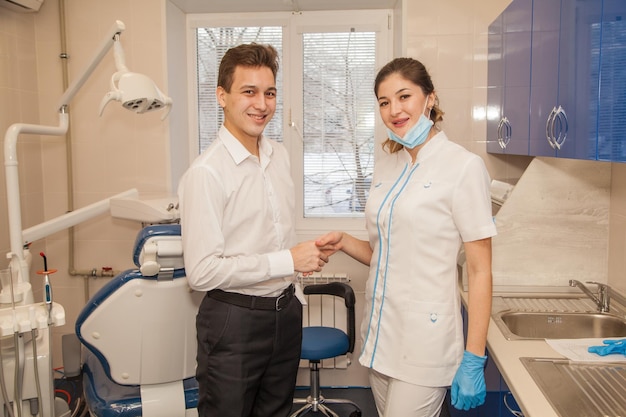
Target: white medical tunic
x,y
417,217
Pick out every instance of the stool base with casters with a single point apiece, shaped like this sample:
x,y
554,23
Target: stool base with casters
x,y
315,402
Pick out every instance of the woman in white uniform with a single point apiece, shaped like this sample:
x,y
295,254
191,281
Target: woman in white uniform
x,y
428,197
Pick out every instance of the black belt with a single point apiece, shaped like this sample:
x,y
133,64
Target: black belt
x,y
253,302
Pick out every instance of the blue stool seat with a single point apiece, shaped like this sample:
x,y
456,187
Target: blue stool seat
x,y
323,343
108,399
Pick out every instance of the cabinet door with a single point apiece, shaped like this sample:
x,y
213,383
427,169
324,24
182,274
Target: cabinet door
x,y
579,64
544,81
495,86
564,80
612,109
509,80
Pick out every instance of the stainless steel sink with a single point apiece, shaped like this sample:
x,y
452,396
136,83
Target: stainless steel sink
x,y
517,325
580,389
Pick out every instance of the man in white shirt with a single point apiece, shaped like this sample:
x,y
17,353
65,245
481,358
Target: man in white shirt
x,y
237,217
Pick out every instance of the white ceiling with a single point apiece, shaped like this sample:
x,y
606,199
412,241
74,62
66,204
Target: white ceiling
x,y
233,6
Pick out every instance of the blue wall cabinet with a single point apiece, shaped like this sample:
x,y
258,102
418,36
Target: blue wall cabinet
x,y
508,92
577,95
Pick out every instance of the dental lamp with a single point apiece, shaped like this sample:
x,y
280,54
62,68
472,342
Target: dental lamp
x,y
136,92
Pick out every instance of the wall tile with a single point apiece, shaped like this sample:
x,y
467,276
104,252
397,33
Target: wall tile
x,y
618,196
617,234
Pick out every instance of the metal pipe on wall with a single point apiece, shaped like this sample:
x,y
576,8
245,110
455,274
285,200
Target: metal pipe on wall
x,y
87,274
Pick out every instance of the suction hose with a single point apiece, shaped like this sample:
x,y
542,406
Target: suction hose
x,y
33,333
18,341
3,387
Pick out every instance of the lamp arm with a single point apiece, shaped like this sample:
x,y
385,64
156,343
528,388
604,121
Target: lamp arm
x,y
74,217
106,44
13,184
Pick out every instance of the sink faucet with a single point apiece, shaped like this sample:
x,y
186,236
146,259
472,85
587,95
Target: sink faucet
x,y
601,299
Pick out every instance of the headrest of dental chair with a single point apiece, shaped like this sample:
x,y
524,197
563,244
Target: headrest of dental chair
x,y
158,247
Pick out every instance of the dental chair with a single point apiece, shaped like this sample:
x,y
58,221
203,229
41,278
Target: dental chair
x,y
140,337
323,342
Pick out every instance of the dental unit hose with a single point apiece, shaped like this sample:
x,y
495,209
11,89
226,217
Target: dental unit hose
x,y
36,369
18,343
3,387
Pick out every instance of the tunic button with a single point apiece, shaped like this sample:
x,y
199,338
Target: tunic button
x,y
433,317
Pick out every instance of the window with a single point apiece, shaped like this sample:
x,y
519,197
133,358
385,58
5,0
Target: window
x,y
326,110
339,118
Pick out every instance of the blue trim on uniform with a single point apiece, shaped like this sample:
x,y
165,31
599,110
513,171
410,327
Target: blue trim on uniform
x,y
382,302
378,262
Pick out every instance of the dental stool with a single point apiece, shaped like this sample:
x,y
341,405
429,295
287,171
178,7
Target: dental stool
x,y
140,335
322,342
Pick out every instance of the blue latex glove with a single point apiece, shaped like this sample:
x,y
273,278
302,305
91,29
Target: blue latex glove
x,y
468,386
609,347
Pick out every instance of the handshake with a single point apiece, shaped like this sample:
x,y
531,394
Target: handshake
x,y
311,256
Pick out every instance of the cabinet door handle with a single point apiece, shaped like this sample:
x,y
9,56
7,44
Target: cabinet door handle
x,y
499,135
508,129
563,127
506,404
504,132
550,128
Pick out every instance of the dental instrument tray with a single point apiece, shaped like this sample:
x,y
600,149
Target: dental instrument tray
x,y
157,210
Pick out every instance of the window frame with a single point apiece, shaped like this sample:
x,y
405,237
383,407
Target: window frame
x,y
294,24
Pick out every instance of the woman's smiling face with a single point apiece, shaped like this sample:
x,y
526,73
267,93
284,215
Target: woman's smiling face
x,y
401,103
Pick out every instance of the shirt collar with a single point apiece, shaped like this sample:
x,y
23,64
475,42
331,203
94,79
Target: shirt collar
x,y
237,151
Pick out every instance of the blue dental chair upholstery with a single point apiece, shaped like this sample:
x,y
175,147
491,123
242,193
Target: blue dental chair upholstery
x,y
140,337
322,342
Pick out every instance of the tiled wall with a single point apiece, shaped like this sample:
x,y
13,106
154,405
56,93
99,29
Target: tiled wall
x,y
617,233
19,103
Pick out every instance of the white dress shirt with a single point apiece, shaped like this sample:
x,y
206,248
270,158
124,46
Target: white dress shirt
x,y
417,217
237,218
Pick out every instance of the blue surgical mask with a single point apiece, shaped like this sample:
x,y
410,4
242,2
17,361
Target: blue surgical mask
x,y
417,134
